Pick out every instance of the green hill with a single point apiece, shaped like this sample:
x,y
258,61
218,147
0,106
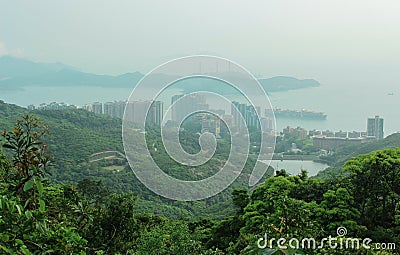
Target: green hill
x,y
41,217
78,134
344,153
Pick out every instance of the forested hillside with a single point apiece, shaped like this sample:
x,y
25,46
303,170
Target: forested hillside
x,y
42,217
75,135
346,152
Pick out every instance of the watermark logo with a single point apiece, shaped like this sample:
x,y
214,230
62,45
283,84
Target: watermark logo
x,y
339,242
341,231
249,108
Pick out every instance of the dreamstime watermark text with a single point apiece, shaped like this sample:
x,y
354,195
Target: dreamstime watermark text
x,y
338,242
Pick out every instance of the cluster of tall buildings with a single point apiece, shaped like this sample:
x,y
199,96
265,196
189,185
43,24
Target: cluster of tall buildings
x,y
113,109
52,106
135,110
331,140
194,107
242,115
184,105
245,112
252,117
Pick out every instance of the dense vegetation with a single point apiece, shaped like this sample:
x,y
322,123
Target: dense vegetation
x,y
78,134
41,216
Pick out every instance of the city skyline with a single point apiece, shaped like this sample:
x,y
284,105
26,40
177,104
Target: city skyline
x,y
374,128
352,52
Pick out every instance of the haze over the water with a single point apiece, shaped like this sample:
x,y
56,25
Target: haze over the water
x,y
350,43
350,47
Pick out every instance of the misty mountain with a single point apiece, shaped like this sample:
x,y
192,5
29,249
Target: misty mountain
x,y
11,67
274,84
284,83
16,73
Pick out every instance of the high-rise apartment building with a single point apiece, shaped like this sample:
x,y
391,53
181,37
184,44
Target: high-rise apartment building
x,y
97,108
375,127
136,112
247,112
156,112
114,109
186,105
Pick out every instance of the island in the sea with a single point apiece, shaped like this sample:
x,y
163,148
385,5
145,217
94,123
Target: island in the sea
x,y
299,114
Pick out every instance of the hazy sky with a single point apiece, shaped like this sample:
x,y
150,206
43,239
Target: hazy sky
x,y
304,38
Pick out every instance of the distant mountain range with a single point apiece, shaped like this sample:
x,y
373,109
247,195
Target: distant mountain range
x,y
16,73
284,83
